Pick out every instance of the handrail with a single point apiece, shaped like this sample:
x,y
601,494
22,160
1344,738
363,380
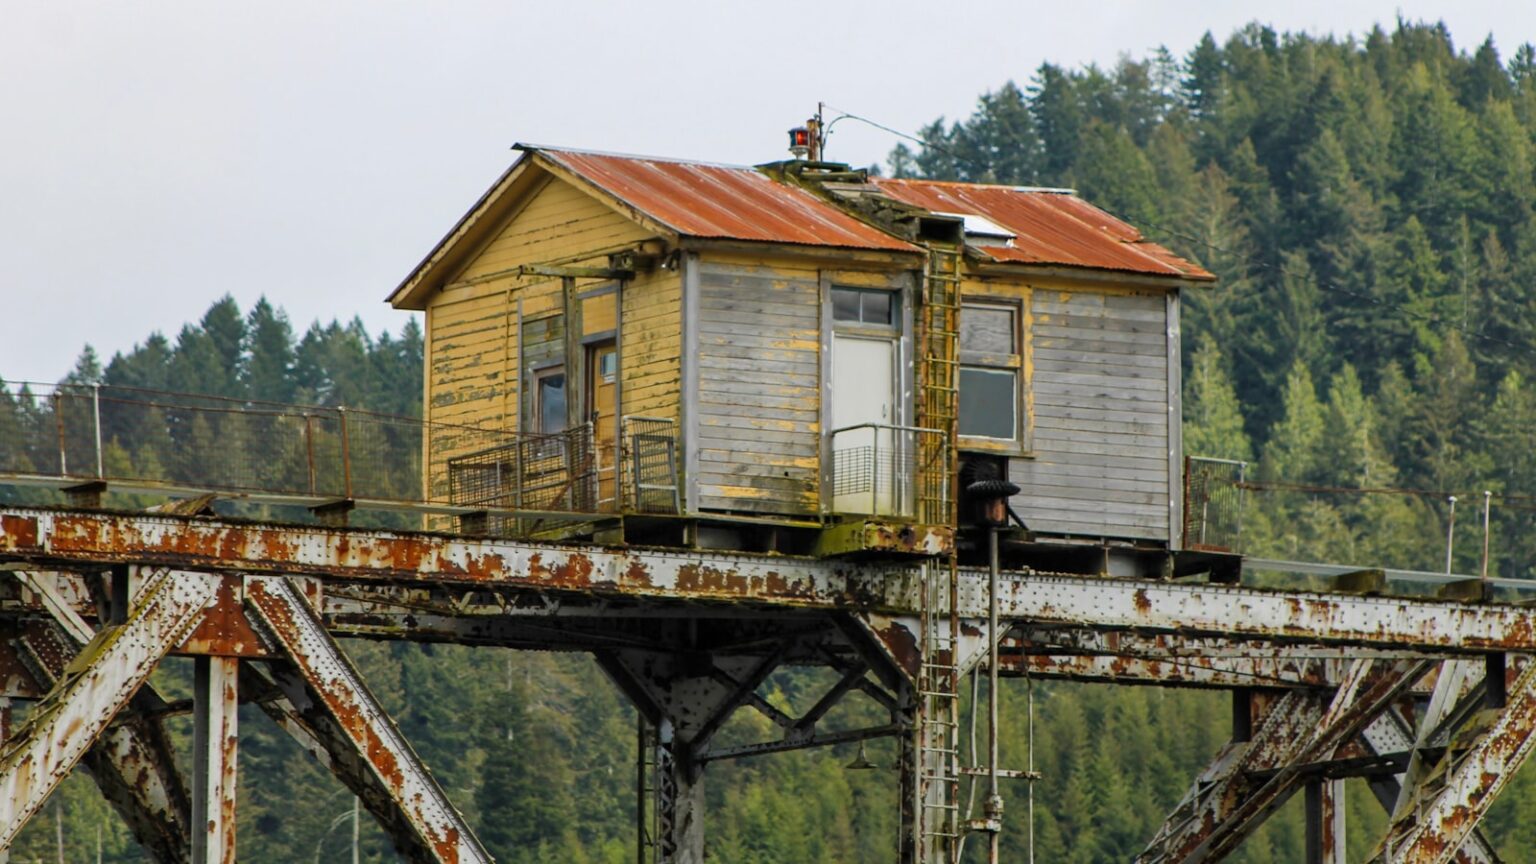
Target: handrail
x,y
891,426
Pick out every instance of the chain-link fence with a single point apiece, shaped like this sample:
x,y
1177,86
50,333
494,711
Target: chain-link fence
x,y
1213,504
145,440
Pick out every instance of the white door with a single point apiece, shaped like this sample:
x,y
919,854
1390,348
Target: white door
x,y
863,391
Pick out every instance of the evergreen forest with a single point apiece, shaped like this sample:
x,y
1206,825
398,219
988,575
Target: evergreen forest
x,y
1369,206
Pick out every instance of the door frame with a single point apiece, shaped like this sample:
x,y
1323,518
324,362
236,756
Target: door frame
x,y
902,285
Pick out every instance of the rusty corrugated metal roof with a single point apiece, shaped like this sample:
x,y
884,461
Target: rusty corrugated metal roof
x,y
721,201
1050,227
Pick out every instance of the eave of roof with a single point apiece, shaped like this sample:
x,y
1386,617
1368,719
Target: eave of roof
x,y
1050,227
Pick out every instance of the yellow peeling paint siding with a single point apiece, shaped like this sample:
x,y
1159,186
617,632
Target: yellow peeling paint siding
x,y
651,334
759,396
474,322
1098,391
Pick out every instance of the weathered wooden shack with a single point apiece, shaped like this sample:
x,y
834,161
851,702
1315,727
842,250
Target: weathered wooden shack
x,y
800,357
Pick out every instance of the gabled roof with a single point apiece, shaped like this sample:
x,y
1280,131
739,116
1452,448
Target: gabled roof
x,y
1052,227
732,202
729,202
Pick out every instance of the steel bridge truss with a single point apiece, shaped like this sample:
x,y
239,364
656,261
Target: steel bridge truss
x,y
1433,702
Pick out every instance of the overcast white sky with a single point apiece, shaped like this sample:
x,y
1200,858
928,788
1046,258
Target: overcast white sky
x,y
155,155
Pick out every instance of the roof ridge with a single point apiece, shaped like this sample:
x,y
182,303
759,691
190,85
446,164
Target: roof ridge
x,y
638,157
1012,187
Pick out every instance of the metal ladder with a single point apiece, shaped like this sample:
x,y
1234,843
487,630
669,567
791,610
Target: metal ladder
x,y
938,382
939,732
939,674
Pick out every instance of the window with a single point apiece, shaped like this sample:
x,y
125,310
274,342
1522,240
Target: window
x,y
549,400
864,306
990,365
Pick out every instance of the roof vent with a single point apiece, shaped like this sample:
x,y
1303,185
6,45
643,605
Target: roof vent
x,y
981,230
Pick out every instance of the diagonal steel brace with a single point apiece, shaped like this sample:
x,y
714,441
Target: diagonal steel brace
x,y
1430,830
336,700
95,687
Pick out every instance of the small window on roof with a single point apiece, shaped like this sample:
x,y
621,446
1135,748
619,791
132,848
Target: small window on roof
x,y
864,306
982,231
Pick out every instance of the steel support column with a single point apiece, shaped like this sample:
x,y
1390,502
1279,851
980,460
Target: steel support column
x,y
215,745
687,696
110,669
1325,821
336,693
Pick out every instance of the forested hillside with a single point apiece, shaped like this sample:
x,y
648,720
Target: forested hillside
x,y
1368,205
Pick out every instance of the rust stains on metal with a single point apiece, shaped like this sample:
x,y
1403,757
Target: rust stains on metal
x,y
1143,603
18,532
225,630
721,201
1049,227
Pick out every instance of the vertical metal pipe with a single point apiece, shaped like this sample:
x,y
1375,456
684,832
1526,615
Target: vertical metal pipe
x,y
58,417
357,806
309,448
96,412
1487,508
994,798
639,788
1450,535
1029,684
346,453
874,482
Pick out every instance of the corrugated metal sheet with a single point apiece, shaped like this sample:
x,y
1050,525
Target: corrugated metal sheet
x,y
720,201
1050,228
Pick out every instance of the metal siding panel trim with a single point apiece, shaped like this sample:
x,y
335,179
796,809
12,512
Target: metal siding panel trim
x,y
1175,426
690,382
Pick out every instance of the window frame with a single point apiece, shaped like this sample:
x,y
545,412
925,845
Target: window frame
x,y
1019,443
891,328
539,376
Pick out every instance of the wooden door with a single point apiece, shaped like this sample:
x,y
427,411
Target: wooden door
x,y
603,410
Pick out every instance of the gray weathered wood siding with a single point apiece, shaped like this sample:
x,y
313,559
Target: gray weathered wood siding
x,y
1100,389
758,398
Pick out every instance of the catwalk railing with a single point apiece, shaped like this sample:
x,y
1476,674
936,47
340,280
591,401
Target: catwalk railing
x,y
136,441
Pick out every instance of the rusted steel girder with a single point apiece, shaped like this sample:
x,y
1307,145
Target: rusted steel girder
x,y
109,670
1227,802
80,538
439,833
1459,793
1240,613
407,557
1212,672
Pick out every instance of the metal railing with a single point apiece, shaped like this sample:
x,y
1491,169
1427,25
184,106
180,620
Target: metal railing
x,y
879,469
648,465
532,472
1213,504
